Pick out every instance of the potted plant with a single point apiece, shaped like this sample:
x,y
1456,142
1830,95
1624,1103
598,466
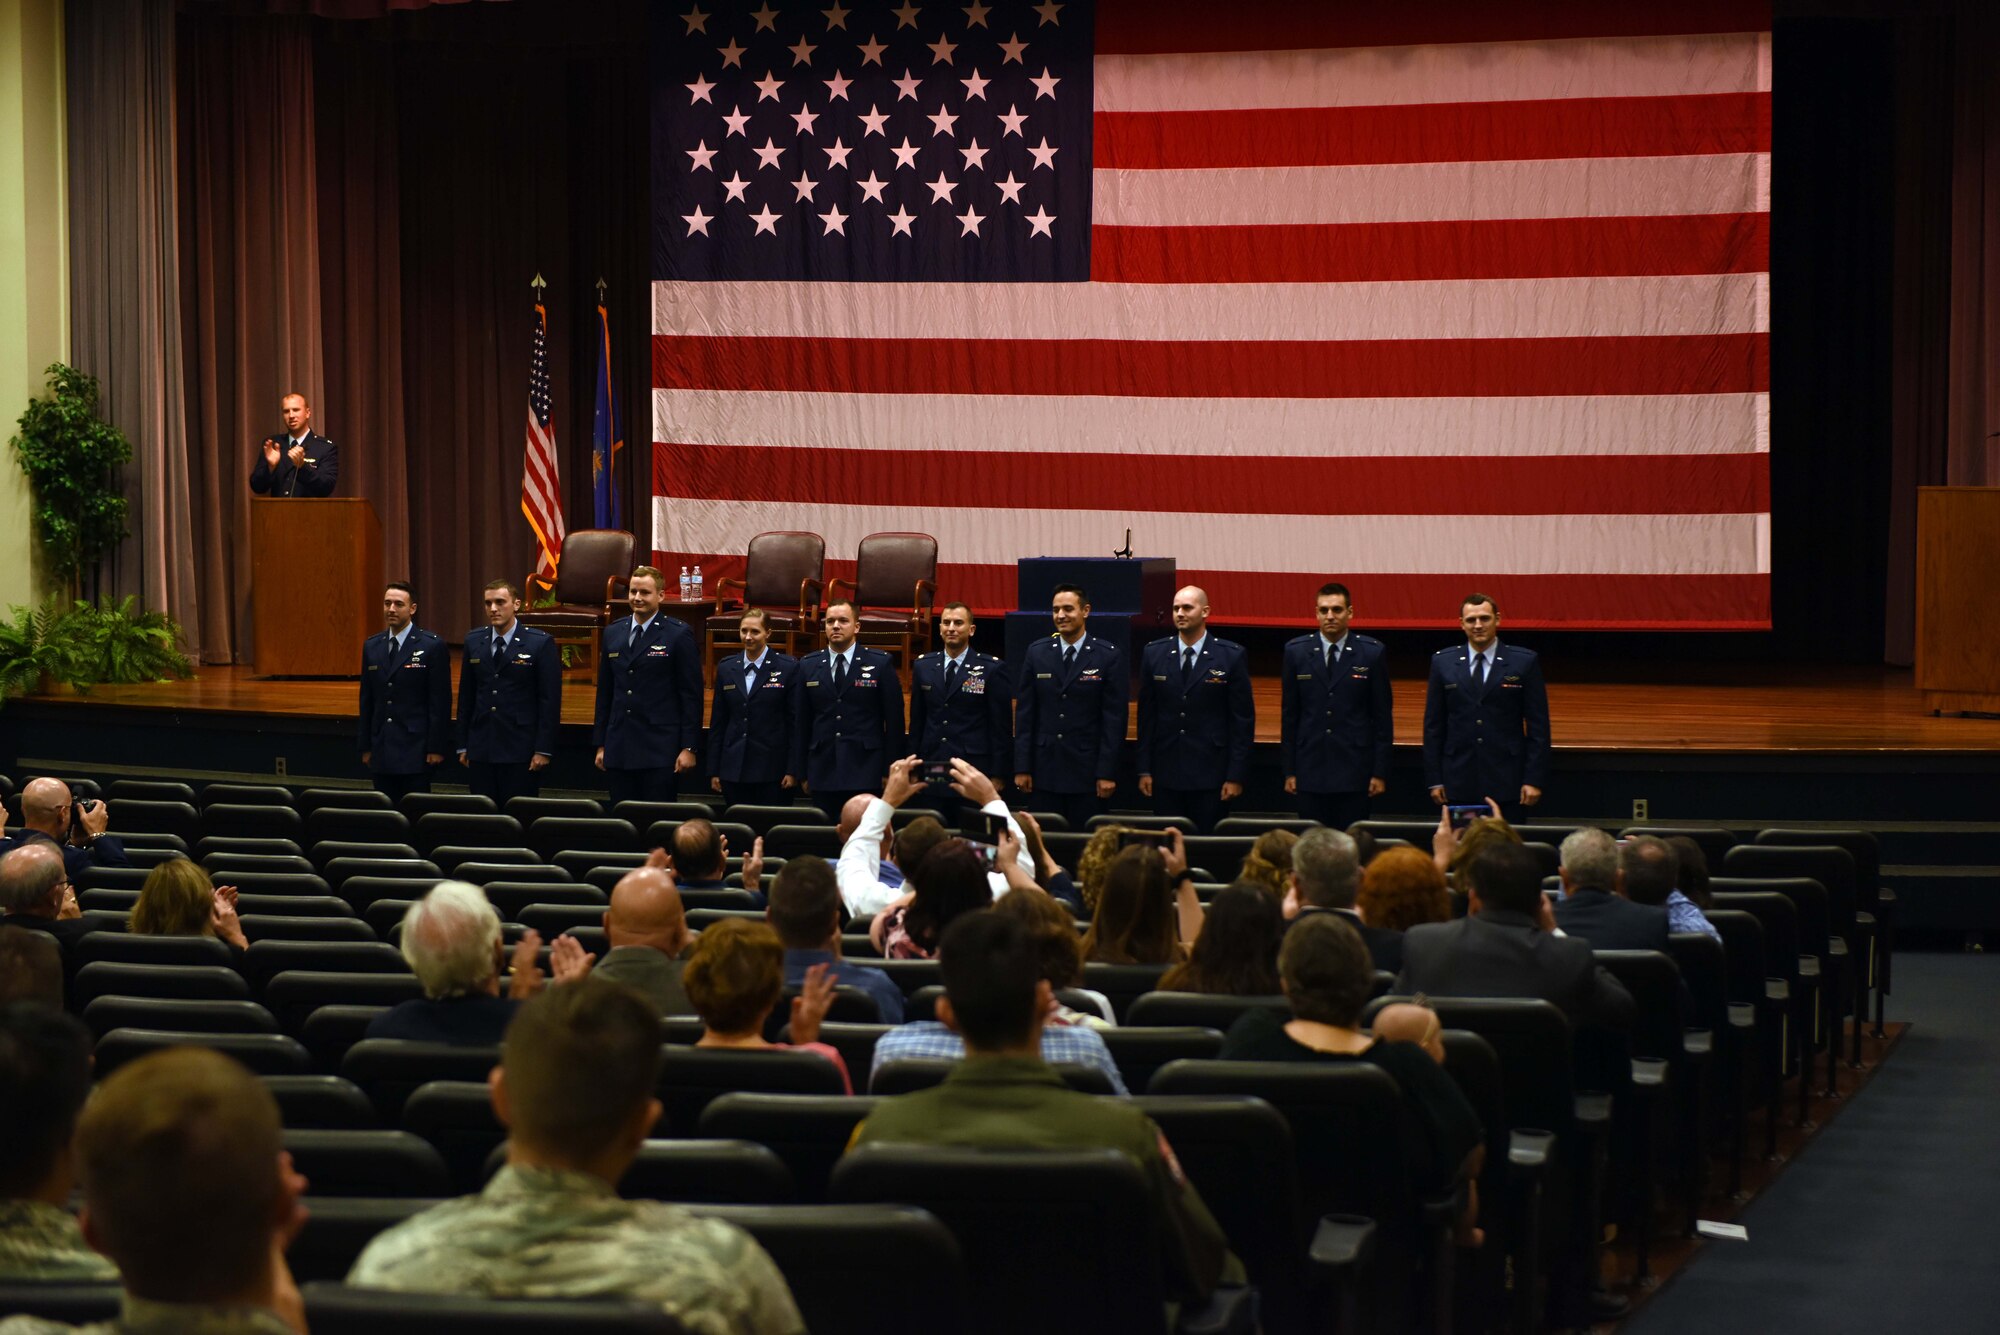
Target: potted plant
x,y
72,457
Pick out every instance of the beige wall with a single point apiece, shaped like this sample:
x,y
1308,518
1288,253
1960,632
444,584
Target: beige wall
x,y
34,255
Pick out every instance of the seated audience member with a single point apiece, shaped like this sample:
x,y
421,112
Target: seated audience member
x,y
1328,977
1053,932
1004,1096
31,967
1141,917
863,885
1326,878
949,881
188,1191
44,1079
76,829
647,931
451,938
178,899
1236,953
1400,889
701,859
574,1089
1507,946
1691,890
1048,875
35,893
1269,863
1366,845
735,978
1594,905
1452,849
1652,872
1093,864
805,911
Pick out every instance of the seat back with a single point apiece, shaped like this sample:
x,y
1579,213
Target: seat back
x,y
419,805
709,1172
320,1102
1861,845
438,828
147,815
1532,1040
265,1054
335,1309
223,866
884,1269
550,835
259,820
793,841
888,566
336,1230
297,993
368,1163
782,571
363,826
389,1070
310,800
456,1118
809,1132
907,1075
1123,984
329,1031
71,1304
133,948
765,819
248,845
528,810
1704,967
593,564
1778,915
1713,841
1743,953
150,790
245,794
1833,866
192,982
105,1014
1140,1050
691,1078
1197,1010
265,960
286,927
1655,984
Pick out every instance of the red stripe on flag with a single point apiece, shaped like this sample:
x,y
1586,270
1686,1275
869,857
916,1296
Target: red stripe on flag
x,y
1386,368
1571,602
1636,485
1128,27
1585,127
1414,251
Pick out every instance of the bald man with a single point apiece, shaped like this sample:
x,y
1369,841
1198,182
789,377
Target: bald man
x,y
35,893
49,816
648,934
1196,718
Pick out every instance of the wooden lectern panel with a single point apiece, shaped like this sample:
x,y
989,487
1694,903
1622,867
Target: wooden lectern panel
x,y
1958,574
316,584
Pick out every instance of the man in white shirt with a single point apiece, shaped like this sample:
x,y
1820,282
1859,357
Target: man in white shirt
x,y
859,870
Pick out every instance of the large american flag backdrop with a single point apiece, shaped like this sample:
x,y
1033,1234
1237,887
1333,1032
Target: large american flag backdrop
x,y
1424,297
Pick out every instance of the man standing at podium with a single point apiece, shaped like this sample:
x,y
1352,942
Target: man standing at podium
x,y
1069,715
297,461
1337,722
405,698
648,697
1196,718
509,700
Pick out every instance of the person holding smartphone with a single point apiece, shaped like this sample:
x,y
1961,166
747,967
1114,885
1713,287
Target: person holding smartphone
x,y
961,708
1486,718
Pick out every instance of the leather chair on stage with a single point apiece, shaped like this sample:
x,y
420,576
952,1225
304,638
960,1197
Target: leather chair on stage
x,y
893,570
592,575
782,574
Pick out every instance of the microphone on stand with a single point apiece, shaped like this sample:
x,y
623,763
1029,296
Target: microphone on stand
x,y
1125,553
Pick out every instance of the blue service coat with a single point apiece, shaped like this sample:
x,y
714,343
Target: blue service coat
x,y
974,720
1335,730
750,733
1069,726
319,475
846,740
508,711
1486,744
405,701
1198,735
648,694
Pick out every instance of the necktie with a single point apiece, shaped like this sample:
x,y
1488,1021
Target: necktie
x,y
1069,659
839,671
749,676
1479,671
499,644
1187,664
950,674
1332,655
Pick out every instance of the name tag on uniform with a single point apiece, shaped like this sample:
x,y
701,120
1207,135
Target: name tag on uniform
x,y
472,660
373,668
812,683
1043,676
1304,676
612,654
1451,686
729,686
1159,676
924,685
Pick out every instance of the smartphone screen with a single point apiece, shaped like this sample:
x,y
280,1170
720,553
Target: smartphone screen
x,y
983,827
936,771
1464,816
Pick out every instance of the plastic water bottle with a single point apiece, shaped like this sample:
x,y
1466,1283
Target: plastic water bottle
x,y
696,588
684,585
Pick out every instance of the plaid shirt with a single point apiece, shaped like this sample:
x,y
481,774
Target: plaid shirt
x,y
1684,915
927,1040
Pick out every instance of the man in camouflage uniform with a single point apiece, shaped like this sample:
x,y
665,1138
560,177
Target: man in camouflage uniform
x,y
44,1078
575,1090
188,1190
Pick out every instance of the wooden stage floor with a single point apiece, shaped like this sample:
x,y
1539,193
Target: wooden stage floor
x,y
1723,708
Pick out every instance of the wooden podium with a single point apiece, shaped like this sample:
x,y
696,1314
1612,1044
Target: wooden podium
x,y
1958,569
315,584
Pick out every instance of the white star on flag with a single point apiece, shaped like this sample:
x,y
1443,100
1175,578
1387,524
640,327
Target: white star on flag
x,y
1048,13
697,221
802,52
736,185
836,154
768,87
943,120
871,52
804,120
701,153
1013,118
1010,189
836,87
768,155
1044,155
699,90
873,187
1041,221
975,87
975,15
906,17
874,118
941,50
833,220
970,220
835,17
766,221
941,190
906,156
907,87
1014,47
1045,86
974,155
696,20
732,54
805,185
736,120
900,220
766,18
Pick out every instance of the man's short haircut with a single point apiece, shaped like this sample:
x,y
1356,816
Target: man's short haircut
x,y
294,394
409,589
990,968
513,589
28,874
178,1152
960,606
1082,598
31,968
805,903
1366,845
1326,970
44,1079
754,614
652,573
1328,867
848,603
1652,869
914,843
1507,877
449,938
1474,599
1333,588
735,975
580,1059
698,850
1590,856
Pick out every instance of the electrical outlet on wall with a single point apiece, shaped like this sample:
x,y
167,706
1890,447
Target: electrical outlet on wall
x,y
281,767
1639,804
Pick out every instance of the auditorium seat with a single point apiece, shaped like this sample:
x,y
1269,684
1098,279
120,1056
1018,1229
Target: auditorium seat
x,y
382,826
106,1013
1836,870
644,815
147,839
340,870
1714,841
291,883
361,892
192,982
486,873
554,834
882,1269
456,1118
266,959
139,816
1511,1186
907,1075
302,927
734,897
328,851
1823,970
809,1132
71,1304
708,1172
145,859
149,790
113,878
336,1230
1872,898
252,819
335,1309
700,919
528,810
765,819
1202,1010
265,1054
246,794
1252,826
510,897
910,975
1134,820
1725,1102
310,800
452,827
367,1163
552,920
221,867
1661,1099
1750,984
329,1031
297,993
107,901
597,867
418,805
391,1069
1052,822
1140,1050
320,1103
691,1077
131,948
451,857
210,844
794,841
295,906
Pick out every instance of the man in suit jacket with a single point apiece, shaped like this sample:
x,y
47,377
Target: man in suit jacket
x,y
648,719
1326,878
74,827
961,707
1486,718
847,714
1196,718
750,720
1594,906
1069,714
1507,946
509,700
1337,724
298,461
405,698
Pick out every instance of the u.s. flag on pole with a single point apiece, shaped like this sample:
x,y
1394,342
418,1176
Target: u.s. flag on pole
x,y
1426,297
541,481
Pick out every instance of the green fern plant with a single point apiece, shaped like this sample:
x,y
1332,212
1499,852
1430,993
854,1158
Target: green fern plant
x,y
38,643
115,642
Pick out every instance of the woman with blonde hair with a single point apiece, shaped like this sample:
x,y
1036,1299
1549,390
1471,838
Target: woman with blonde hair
x,y
1269,863
178,899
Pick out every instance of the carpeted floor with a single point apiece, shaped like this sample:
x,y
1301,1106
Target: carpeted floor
x,y
1884,1223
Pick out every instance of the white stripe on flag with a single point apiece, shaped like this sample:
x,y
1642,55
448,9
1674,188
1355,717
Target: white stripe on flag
x,y
1411,75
